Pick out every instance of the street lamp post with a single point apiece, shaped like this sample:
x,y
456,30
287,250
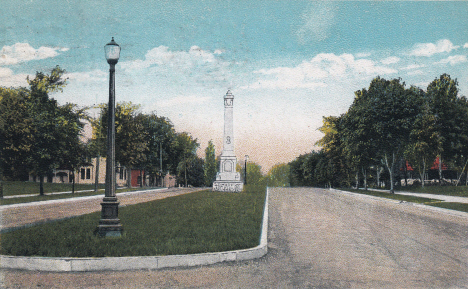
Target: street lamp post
x,y
245,169
110,225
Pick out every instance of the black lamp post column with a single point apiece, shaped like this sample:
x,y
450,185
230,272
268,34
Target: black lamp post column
x,y
245,169
110,225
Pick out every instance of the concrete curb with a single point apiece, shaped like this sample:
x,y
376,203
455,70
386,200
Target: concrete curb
x,y
422,206
57,264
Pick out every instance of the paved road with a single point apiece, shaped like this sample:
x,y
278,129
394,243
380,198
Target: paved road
x,y
317,239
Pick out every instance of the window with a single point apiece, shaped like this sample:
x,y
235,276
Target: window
x,y
88,174
82,173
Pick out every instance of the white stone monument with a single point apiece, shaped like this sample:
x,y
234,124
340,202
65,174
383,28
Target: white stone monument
x,y
227,179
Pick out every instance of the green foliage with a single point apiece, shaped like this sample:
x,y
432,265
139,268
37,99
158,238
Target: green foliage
x,y
41,135
254,174
210,164
185,156
279,176
194,223
386,125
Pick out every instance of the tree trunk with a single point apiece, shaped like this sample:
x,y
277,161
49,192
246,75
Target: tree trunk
x,y
440,170
423,173
378,177
390,171
41,185
96,177
406,173
129,178
364,173
73,181
357,179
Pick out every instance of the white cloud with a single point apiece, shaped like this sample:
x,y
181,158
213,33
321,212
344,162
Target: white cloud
x,y
429,49
453,60
95,75
363,54
317,21
181,100
21,52
177,59
465,46
8,79
413,66
415,72
317,72
195,66
390,60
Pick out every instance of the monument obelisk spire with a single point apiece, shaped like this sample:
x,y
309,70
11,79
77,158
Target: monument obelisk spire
x,y
227,179
228,144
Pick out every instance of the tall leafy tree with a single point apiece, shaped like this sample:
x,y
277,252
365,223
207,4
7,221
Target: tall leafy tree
x,y
73,152
210,169
425,141
159,133
388,111
16,138
46,123
449,116
279,176
184,150
130,142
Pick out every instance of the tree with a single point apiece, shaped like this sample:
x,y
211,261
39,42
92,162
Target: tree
x,y
254,174
191,171
336,167
392,112
16,139
73,152
449,115
425,141
130,142
279,176
46,123
159,133
184,150
210,164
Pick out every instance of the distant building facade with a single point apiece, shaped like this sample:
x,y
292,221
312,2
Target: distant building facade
x,y
87,175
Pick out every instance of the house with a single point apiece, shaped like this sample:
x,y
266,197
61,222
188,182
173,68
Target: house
x,y
87,175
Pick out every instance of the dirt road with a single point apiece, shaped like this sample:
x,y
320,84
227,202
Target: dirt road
x,y
317,239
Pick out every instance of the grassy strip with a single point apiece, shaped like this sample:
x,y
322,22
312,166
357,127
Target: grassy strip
x,y
193,223
459,191
452,206
392,196
14,188
46,197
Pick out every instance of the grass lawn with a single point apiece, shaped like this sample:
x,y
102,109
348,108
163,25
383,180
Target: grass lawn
x,y
460,191
452,206
13,188
198,222
392,196
31,188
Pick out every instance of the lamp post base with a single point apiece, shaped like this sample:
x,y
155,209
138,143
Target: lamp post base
x,y
109,224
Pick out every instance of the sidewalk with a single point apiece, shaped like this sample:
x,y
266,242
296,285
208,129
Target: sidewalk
x,y
18,215
451,199
48,194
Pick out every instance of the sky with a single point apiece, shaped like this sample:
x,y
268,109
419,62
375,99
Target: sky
x,y
288,63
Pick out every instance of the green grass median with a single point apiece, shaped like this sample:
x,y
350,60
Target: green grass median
x,y
198,222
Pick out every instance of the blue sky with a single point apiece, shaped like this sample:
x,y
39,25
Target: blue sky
x,y
288,63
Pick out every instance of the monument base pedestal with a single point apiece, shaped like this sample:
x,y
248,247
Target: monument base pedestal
x,y
228,186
